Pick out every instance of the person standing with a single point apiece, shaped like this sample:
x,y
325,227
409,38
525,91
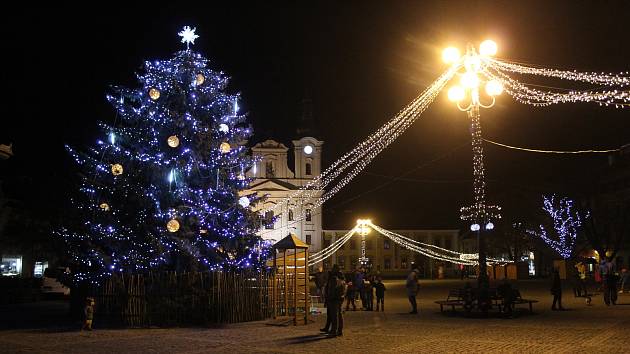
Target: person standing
x,y
412,288
609,281
369,293
335,291
556,291
321,279
88,313
350,293
380,294
359,287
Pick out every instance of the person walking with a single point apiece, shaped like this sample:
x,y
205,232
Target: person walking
x,y
412,288
556,291
335,292
380,294
321,278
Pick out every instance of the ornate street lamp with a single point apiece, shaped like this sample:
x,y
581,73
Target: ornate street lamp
x,y
468,98
363,229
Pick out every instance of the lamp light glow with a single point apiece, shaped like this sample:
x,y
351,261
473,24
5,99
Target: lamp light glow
x,y
470,80
450,55
488,48
456,93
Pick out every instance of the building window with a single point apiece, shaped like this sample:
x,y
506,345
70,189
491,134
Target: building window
x,y
269,173
268,221
403,263
290,215
308,169
308,239
307,216
388,263
11,266
386,244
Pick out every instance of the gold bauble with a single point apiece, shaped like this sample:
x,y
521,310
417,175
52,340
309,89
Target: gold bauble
x,y
173,141
154,93
117,169
240,176
199,79
104,206
225,148
172,225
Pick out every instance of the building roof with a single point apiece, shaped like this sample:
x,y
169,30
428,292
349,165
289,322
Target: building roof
x,y
290,242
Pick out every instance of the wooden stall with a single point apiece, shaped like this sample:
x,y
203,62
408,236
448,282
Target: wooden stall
x,y
290,290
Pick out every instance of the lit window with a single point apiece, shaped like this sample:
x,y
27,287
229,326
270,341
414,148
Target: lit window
x,y
308,239
388,263
386,244
307,216
269,172
290,215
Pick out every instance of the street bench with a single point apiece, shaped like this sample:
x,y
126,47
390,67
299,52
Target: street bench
x,y
455,298
518,299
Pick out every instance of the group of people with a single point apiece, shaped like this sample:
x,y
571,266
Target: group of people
x,y
606,278
337,288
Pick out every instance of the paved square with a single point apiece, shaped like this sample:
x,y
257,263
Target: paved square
x,y
582,329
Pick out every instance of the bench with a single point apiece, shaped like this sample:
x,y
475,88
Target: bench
x,y
518,299
454,298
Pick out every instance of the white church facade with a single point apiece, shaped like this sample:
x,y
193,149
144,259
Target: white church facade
x,y
274,179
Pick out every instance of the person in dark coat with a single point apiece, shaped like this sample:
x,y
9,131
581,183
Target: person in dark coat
x,y
556,291
368,288
334,292
380,294
412,288
350,293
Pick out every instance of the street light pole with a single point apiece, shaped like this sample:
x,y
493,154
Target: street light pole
x,y
479,213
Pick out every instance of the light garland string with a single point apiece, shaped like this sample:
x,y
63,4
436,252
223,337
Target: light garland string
x,y
367,150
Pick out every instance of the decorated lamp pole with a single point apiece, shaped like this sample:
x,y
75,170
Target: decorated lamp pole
x,y
469,100
363,229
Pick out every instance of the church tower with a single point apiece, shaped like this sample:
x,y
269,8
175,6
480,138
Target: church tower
x,y
275,180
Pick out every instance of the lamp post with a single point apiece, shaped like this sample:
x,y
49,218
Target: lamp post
x,y
363,229
468,98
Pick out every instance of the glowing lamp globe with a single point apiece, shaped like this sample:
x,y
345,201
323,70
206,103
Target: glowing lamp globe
x,y
450,55
488,48
489,226
470,80
308,149
456,93
474,227
494,88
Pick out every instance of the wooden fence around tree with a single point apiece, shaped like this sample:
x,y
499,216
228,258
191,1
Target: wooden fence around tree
x,y
173,299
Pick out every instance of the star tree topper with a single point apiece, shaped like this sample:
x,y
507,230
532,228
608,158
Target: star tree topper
x,y
188,35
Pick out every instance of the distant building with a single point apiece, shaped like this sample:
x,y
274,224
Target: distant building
x,y
388,258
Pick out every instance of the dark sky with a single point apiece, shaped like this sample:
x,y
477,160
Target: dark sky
x,y
360,62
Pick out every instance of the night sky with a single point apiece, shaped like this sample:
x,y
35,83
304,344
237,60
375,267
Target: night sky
x,y
359,61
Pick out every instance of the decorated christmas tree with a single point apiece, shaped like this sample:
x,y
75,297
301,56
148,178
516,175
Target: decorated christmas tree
x,y
163,189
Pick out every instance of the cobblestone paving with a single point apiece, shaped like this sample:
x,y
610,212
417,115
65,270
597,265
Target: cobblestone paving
x,y
582,329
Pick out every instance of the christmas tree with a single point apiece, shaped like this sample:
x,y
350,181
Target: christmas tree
x,y
162,190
